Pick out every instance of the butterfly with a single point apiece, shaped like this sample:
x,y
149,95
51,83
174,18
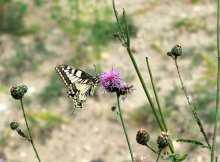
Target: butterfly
x,y
79,83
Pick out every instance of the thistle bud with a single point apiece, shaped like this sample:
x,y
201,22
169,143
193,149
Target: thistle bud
x,y
116,35
142,137
14,125
176,51
17,92
163,140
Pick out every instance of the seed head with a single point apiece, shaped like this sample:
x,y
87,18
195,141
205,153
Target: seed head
x,y
176,51
142,137
17,92
163,140
14,125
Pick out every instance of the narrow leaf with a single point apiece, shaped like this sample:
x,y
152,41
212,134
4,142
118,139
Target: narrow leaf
x,y
192,142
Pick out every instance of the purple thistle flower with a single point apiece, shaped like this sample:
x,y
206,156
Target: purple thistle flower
x,y
111,82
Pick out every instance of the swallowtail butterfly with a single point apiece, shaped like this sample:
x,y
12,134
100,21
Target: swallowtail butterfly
x,y
79,83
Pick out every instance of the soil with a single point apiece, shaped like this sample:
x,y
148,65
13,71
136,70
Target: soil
x,y
94,133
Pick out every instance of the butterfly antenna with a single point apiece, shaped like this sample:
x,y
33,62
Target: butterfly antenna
x,y
96,75
95,70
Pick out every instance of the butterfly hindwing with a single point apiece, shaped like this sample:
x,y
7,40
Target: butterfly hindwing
x,y
80,84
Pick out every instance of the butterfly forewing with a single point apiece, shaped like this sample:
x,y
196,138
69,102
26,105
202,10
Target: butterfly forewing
x,y
79,83
71,75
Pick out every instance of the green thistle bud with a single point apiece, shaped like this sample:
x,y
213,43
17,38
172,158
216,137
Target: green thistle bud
x,y
163,140
142,137
14,125
24,88
17,92
176,51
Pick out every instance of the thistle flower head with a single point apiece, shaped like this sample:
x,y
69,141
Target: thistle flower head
x,y
17,92
163,140
175,52
111,82
142,137
125,89
13,126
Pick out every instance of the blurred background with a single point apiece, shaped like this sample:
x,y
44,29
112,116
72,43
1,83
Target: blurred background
x,y
37,35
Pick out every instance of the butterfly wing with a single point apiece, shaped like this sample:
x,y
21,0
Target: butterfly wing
x,y
79,83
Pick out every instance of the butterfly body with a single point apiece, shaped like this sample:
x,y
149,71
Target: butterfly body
x,y
79,83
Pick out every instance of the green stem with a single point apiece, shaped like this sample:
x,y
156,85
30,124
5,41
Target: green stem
x,y
118,22
158,157
157,100
31,139
191,105
155,93
145,88
124,128
127,29
218,84
127,45
152,149
136,68
147,94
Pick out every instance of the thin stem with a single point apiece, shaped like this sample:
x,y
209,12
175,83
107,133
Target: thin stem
x,y
124,128
127,29
127,45
145,88
118,22
147,94
191,105
155,93
152,149
158,157
157,100
137,69
218,84
31,139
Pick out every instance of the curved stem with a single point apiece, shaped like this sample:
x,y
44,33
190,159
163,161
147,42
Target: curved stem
x,y
191,105
152,149
124,128
218,84
29,133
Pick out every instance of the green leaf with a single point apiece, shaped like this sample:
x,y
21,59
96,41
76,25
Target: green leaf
x,y
180,157
176,158
192,142
170,157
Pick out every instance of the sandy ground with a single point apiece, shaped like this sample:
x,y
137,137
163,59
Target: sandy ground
x,y
95,132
